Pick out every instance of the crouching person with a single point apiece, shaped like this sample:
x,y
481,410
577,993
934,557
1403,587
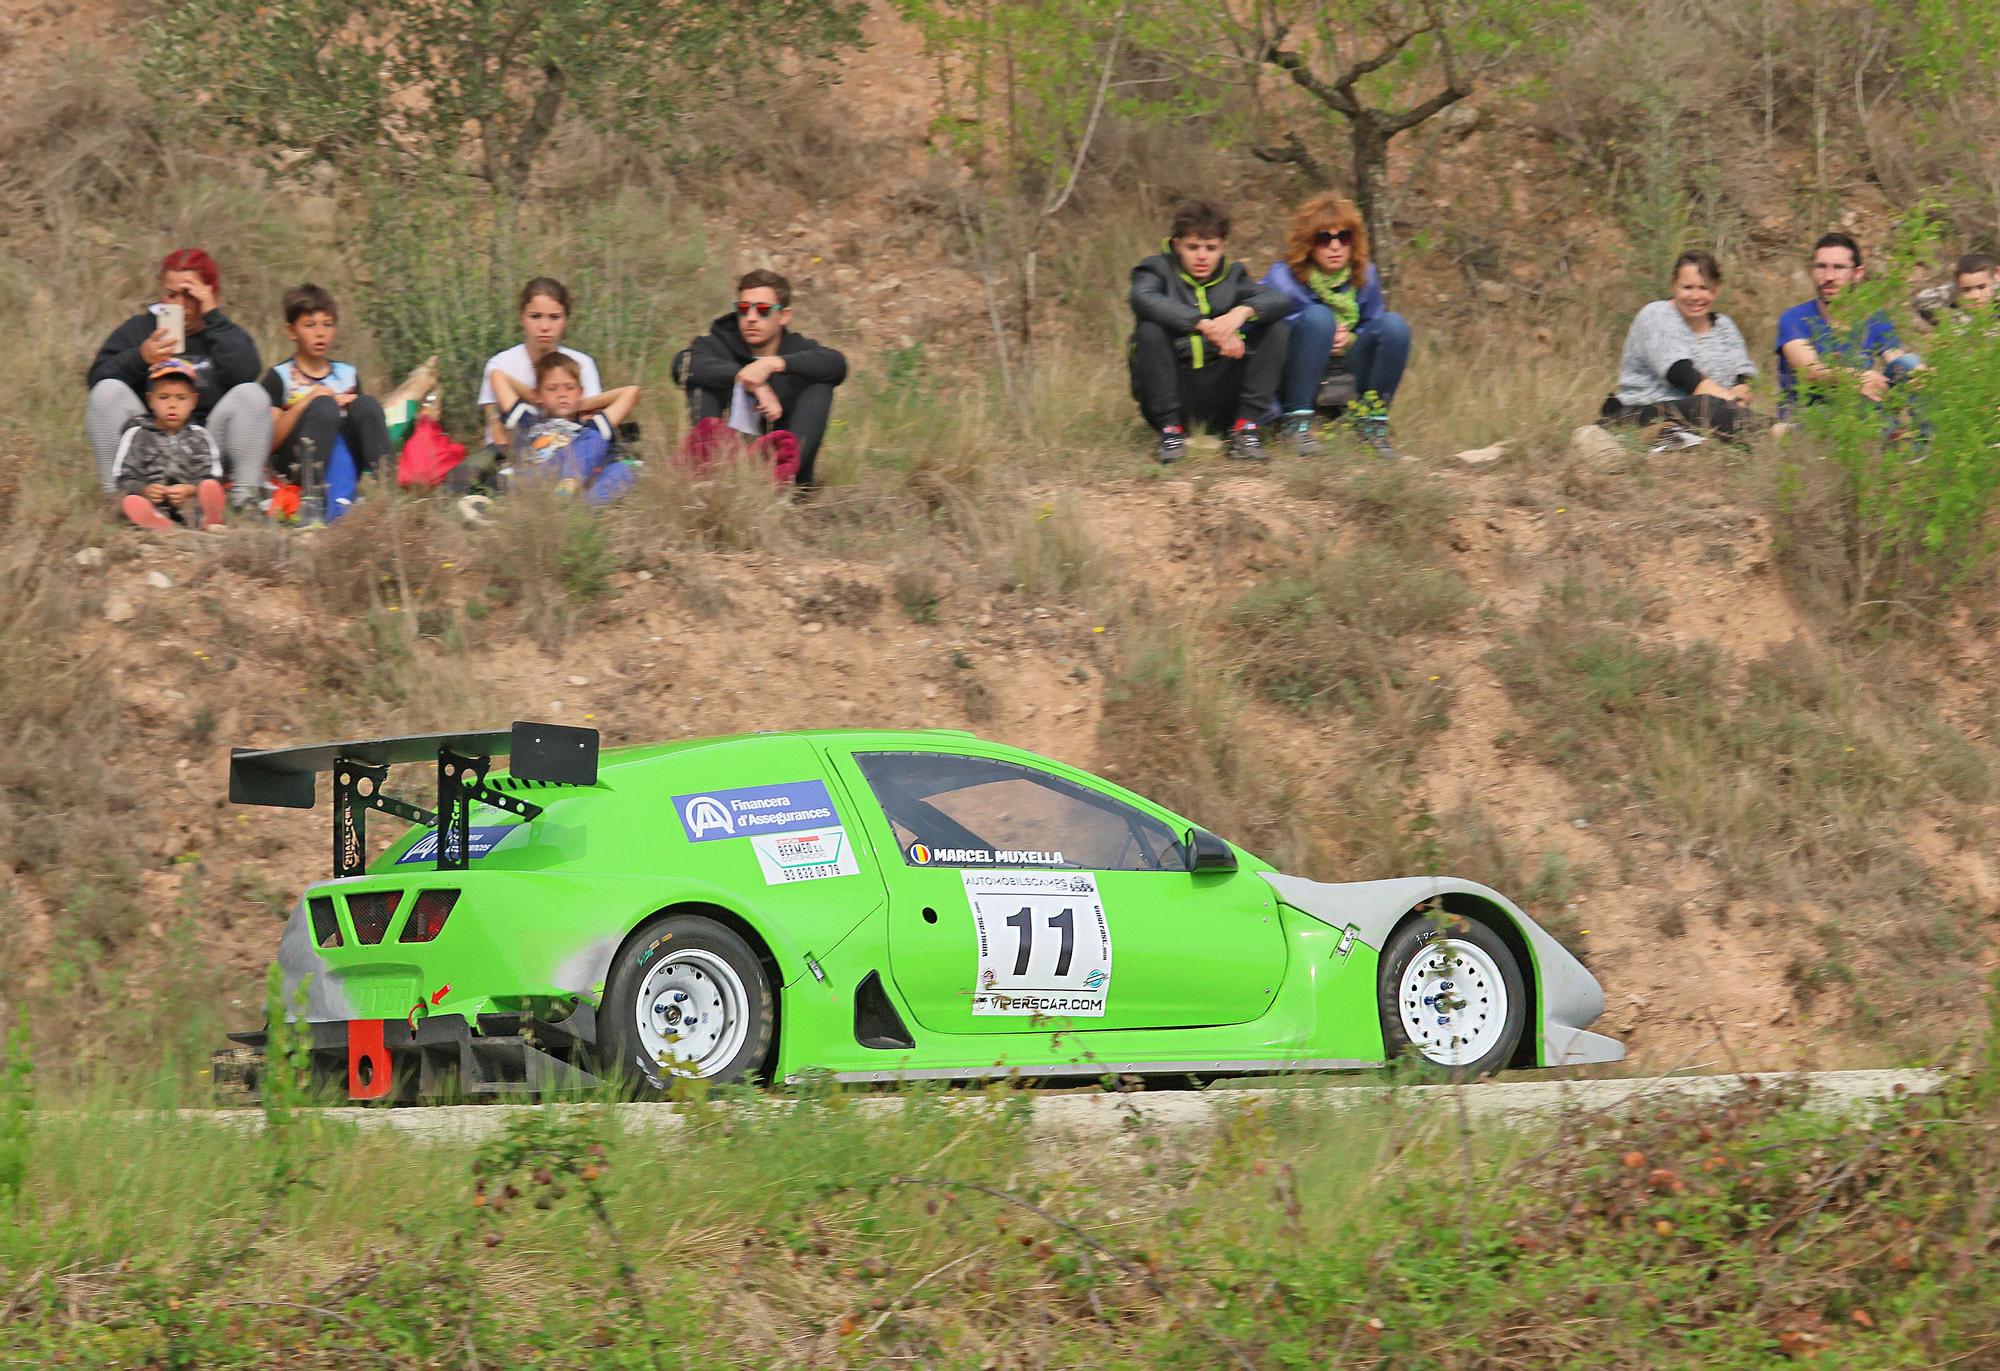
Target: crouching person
x,y
167,469
751,375
1346,346
1208,342
557,433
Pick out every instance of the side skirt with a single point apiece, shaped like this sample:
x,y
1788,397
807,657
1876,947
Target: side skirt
x,y
1204,1068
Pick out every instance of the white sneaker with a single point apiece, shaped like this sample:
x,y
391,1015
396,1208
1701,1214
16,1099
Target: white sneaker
x,y
1675,438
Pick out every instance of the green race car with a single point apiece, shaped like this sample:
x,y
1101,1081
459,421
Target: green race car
x,y
866,905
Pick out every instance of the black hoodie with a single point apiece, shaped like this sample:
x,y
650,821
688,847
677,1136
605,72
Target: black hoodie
x,y
1164,294
222,353
720,353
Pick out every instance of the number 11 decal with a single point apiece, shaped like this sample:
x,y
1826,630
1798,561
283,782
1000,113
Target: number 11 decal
x,y
1068,974
1024,947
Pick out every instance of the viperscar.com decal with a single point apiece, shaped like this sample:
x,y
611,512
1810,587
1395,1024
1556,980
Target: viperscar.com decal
x,y
710,815
1044,943
923,854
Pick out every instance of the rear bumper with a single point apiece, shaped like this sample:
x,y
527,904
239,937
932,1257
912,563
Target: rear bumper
x,y
442,1056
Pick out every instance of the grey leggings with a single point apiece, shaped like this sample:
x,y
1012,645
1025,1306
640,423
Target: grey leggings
x,y
240,421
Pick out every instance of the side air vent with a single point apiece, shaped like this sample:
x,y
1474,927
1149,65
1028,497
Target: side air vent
x,y
326,928
876,1022
371,914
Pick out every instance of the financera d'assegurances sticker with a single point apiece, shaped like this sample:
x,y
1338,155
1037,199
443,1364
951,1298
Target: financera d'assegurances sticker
x,y
710,815
479,842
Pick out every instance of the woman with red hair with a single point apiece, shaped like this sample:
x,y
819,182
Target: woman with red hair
x,y
229,401
1345,346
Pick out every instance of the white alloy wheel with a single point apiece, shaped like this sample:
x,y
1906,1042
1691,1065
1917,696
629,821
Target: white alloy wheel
x,y
692,1012
1453,1002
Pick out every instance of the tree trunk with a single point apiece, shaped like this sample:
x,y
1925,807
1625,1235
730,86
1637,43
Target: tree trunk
x,y
1370,147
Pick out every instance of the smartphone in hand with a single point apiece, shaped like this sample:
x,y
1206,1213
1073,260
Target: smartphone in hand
x,y
172,317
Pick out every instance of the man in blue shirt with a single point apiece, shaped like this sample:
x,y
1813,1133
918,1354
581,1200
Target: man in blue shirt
x,y
1816,344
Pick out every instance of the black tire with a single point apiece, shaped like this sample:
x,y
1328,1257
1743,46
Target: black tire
x,y
1430,936
705,956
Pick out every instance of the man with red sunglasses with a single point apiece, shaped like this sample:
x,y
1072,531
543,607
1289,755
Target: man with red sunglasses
x,y
753,373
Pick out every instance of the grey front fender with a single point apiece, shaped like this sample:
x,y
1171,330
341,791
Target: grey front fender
x,y
1569,997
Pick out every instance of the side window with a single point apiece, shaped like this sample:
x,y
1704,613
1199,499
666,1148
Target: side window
x,y
950,810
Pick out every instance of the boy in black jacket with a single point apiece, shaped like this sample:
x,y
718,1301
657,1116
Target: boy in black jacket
x,y
1209,342
752,373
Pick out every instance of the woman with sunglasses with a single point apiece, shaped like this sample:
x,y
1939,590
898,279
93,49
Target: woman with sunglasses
x,y
545,311
1340,326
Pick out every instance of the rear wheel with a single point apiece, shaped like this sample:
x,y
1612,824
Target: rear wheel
x,y
1452,993
686,996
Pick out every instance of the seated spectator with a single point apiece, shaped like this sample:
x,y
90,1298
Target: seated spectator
x,y
1208,342
1686,364
167,470
1345,344
752,373
228,400
545,313
559,433
1818,344
326,433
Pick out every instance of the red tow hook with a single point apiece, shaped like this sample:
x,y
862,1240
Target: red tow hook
x,y
368,1072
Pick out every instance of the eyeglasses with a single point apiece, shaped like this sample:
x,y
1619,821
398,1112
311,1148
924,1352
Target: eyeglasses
x,y
1343,236
762,311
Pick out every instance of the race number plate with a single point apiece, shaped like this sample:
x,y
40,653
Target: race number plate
x,y
1044,944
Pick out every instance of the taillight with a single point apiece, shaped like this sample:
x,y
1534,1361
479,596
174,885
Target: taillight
x,y
326,928
427,918
371,914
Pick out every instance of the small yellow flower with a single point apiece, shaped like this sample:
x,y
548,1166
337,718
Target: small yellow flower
x,y
1097,628
1433,678
1562,509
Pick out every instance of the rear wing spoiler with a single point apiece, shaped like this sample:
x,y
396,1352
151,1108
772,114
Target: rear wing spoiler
x,y
287,778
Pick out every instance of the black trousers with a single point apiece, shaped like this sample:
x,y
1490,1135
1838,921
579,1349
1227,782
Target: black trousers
x,y
805,419
1216,394
362,424
1724,418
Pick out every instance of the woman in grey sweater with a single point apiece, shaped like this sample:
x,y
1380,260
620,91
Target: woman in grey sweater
x,y
1686,364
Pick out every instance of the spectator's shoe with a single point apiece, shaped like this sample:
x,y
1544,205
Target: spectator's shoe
x,y
1374,430
1173,446
1673,438
1298,430
1246,444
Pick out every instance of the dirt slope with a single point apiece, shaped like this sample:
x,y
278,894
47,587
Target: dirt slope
x,y
1696,977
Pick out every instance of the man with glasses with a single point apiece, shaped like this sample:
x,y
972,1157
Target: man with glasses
x,y
1819,341
752,373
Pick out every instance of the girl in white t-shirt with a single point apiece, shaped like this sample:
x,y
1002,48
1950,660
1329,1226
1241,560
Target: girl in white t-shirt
x,y
544,317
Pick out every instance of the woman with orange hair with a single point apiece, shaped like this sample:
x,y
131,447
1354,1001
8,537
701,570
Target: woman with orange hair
x,y
1345,344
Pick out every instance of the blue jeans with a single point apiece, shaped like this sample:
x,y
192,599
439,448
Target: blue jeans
x,y
1377,355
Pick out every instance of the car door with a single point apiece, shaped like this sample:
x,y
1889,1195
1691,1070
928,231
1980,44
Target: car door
x,y
1023,897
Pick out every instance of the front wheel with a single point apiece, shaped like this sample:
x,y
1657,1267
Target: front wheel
x,y
1450,990
686,997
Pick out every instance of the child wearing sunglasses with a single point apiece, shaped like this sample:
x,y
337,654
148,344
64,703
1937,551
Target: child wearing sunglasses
x,y
1346,345
752,375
